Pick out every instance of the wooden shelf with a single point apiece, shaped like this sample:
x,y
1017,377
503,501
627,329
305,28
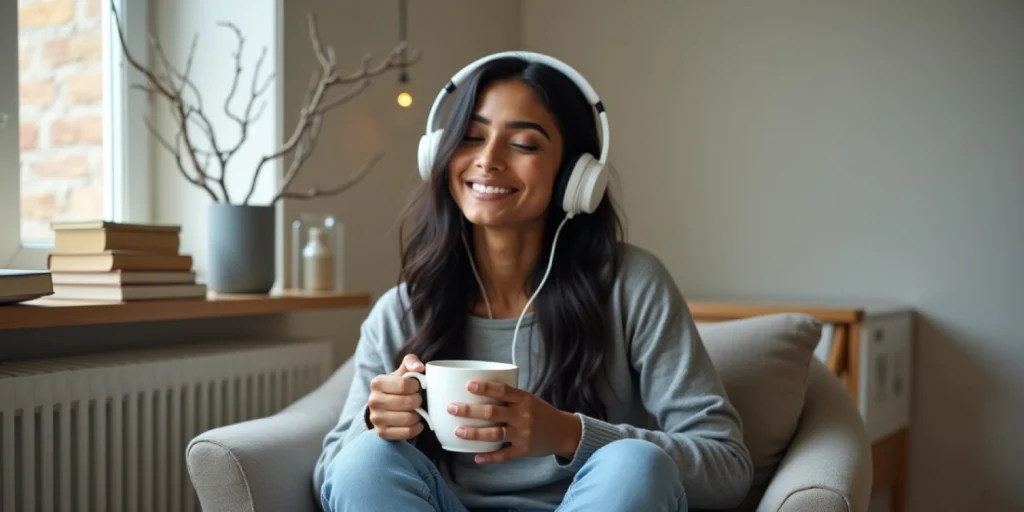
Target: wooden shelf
x,y
47,312
826,311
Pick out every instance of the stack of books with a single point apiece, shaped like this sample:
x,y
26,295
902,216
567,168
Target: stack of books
x,y
101,260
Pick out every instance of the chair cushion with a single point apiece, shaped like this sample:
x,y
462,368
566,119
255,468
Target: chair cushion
x,y
764,363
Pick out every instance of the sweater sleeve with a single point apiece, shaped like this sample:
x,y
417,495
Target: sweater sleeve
x,y
679,386
370,360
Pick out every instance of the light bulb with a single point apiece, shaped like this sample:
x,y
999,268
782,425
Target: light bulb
x,y
404,99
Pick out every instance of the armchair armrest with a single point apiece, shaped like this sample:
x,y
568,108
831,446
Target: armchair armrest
x,y
828,464
267,463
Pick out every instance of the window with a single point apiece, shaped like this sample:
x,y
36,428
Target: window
x,y
66,142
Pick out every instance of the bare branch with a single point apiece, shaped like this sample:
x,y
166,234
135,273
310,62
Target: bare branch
x,y
314,81
238,70
326,59
392,61
176,153
148,89
302,151
259,111
314,105
163,142
188,66
205,128
344,98
164,85
150,76
206,157
248,117
168,74
201,120
173,85
259,89
316,192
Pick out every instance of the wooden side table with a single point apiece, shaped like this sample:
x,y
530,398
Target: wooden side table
x,y
869,347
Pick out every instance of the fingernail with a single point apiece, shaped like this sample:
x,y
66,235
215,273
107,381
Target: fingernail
x,y
461,432
473,386
453,408
480,459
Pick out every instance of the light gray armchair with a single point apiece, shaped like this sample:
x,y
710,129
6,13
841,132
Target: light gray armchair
x,y
805,435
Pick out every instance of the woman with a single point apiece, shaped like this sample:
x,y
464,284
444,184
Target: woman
x,y
495,269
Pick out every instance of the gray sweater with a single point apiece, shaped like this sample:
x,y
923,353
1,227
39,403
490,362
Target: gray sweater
x,y
662,387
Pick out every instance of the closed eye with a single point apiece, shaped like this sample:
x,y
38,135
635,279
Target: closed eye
x,y
522,147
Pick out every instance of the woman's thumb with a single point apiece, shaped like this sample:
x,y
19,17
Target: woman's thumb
x,y
411,363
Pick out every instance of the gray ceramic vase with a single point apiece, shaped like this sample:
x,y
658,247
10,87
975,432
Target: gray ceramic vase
x,y
240,248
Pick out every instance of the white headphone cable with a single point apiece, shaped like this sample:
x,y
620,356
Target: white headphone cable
x,y
551,260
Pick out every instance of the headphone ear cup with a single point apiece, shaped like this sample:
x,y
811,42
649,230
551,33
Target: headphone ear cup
x,y
427,152
586,186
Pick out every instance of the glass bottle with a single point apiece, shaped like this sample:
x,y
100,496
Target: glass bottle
x,y
316,259
317,262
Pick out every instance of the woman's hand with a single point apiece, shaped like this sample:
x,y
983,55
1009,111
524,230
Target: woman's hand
x,y
393,402
533,427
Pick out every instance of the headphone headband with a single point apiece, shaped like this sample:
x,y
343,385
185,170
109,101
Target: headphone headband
x,y
581,83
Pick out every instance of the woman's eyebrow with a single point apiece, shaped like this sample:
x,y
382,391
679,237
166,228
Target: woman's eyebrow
x,y
528,125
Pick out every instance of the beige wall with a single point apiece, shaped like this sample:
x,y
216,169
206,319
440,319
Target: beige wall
x,y
830,149
449,35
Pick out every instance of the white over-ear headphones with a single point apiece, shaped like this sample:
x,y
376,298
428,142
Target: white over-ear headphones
x,y
588,179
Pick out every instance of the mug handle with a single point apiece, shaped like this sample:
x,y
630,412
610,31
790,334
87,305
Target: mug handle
x,y
423,385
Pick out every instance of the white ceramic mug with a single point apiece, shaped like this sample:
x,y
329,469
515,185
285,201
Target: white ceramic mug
x,y
445,383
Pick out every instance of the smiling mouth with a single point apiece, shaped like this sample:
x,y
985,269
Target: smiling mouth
x,y
490,191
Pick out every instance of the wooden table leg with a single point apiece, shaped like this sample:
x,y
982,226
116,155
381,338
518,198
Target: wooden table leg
x,y
889,469
836,360
898,492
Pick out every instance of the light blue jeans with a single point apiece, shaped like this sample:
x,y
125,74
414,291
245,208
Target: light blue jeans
x,y
374,474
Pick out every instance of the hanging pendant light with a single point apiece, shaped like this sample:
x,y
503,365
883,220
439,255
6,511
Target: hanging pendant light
x,y
404,96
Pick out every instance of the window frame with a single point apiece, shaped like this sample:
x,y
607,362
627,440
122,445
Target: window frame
x,y
125,141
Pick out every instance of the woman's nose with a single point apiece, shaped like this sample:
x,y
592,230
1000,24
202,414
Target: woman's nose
x,y
490,157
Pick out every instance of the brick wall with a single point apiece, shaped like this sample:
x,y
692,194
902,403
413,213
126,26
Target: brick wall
x,y
61,96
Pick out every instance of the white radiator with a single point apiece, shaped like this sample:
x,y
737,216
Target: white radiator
x,y
108,432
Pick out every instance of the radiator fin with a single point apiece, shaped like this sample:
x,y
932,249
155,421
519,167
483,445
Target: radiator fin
x,y
108,432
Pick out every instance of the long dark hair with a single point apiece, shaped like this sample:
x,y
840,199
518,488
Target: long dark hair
x,y
570,309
